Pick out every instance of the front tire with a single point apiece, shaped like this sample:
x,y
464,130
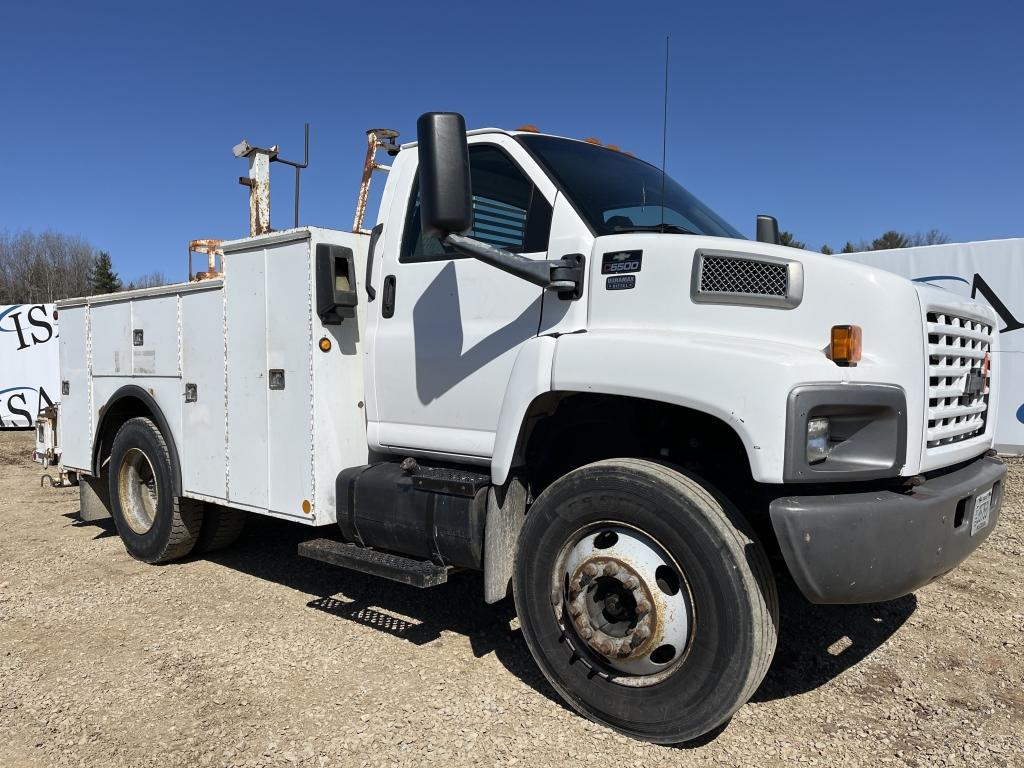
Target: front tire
x,y
647,601
154,524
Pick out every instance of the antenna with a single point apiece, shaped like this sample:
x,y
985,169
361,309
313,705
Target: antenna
x,y
664,138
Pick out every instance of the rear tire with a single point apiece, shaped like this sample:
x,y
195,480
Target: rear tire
x,y
604,544
221,528
154,524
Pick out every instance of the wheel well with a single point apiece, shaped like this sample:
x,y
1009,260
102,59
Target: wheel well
x,y
565,431
125,404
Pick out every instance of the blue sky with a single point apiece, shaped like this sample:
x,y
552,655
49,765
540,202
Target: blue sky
x,y
842,119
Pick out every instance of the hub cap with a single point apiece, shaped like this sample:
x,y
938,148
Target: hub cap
x,y
626,601
138,490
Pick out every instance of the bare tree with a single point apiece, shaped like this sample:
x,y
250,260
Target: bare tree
x,y
38,268
152,280
931,237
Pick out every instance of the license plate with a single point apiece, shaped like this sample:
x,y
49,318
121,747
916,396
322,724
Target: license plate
x,y
982,506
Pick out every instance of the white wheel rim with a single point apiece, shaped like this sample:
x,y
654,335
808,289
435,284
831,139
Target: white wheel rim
x,y
624,601
138,490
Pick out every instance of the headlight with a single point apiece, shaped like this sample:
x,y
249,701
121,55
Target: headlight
x,y
845,431
818,442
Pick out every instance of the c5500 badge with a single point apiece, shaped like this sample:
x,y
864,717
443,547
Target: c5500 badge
x,y
621,262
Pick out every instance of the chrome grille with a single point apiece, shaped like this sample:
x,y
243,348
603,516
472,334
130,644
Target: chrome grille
x,y
958,355
723,274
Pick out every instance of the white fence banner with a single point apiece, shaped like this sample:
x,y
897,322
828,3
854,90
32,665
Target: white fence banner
x,y
991,271
29,367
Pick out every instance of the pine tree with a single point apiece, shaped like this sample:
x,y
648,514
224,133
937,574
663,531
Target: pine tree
x,y
827,250
889,240
849,248
103,277
787,238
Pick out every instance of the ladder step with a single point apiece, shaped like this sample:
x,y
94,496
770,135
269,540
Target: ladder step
x,y
416,573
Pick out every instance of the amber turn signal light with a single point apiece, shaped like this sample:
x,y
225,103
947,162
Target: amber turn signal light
x,y
325,344
845,344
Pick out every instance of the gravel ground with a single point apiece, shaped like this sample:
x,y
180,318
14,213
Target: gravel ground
x,y
257,657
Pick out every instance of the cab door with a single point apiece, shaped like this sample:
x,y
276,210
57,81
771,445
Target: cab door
x,y
447,328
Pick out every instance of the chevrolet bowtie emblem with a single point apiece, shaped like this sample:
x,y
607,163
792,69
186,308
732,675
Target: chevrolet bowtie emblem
x,y
976,382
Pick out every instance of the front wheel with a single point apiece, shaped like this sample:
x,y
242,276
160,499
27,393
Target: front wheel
x,y
647,602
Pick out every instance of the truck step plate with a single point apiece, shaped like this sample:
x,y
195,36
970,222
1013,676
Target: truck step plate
x,y
416,573
457,482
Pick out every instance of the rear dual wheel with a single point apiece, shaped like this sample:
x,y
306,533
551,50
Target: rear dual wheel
x,y
647,602
154,524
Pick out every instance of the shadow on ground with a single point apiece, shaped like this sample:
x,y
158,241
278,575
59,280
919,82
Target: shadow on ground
x,y
816,643
105,528
819,642
268,550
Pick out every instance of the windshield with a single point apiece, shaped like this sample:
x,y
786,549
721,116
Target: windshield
x,y
615,192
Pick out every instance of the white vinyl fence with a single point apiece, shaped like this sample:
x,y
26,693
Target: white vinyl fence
x,y
29,375
991,271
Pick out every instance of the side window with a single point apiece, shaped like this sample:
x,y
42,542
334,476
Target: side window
x,y
508,210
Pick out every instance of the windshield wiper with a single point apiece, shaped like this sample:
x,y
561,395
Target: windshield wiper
x,y
653,228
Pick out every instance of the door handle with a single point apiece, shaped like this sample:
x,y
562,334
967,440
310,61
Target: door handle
x,y
388,307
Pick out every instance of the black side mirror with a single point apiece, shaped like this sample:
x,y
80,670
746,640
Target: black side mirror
x,y
767,229
446,208
446,205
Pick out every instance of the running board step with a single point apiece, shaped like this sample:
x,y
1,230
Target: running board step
x,y
416,573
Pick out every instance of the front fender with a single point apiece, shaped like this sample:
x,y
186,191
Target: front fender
x,y
743,382
531,377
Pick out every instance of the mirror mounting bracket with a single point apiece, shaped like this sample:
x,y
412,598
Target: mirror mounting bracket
x,y
566,275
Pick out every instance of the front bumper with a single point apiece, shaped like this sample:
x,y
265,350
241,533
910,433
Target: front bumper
x,y
880,545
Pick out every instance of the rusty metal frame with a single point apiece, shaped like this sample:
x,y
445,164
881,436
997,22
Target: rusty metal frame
x,y
212,250
376,139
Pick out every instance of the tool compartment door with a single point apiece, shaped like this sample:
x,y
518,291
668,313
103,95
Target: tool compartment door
x,y
246,360
290,405
75,425
203,455
269,408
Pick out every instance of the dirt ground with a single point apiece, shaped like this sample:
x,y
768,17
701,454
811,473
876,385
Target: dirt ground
x,y
257,657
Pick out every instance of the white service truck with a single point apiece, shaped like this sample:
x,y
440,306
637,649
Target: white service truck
x,y
549,363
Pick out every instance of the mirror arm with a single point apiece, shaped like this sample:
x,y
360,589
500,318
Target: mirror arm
x,y
565,275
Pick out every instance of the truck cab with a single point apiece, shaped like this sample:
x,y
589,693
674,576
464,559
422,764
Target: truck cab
x,y
550,362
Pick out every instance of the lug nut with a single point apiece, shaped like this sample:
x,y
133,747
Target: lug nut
x,y
605,648
575,609
586,632
611,569
639,637
631,583
590,570
642,608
